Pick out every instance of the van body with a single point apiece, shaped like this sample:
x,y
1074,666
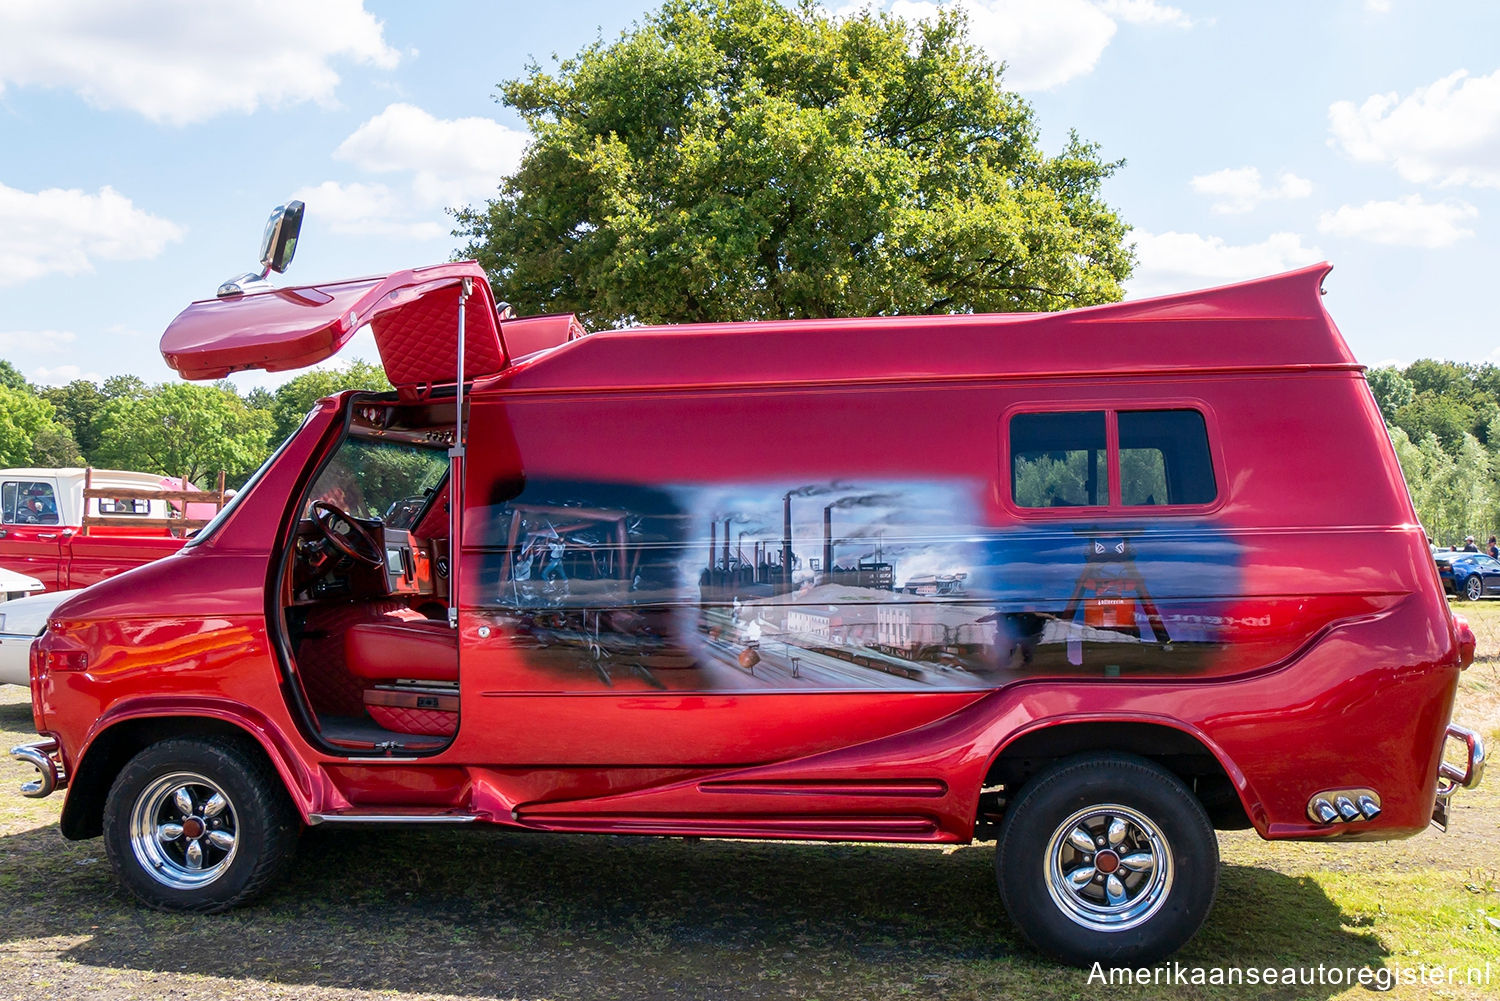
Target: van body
x,y
1088,583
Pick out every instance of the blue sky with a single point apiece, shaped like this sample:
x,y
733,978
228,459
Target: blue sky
x,y
143,141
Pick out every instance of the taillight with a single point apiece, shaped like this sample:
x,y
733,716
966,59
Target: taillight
x,y
53,652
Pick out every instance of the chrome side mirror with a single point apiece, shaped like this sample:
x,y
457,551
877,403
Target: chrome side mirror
x,y
276,249
280,242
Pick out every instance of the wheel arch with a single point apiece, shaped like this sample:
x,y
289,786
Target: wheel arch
x,y
119,737
1192,757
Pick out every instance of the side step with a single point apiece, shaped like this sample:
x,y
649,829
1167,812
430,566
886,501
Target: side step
x,y
397,815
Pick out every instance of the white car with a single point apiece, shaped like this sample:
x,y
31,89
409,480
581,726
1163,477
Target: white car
x,y
21,621
17,585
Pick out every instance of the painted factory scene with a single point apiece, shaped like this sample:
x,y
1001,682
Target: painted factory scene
x,y
834,586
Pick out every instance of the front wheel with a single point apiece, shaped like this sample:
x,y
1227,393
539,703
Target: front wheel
x,y
198,825
1107,858
1474,588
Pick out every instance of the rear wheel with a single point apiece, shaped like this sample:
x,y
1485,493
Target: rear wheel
x,y
1107,858
198,825
1474,588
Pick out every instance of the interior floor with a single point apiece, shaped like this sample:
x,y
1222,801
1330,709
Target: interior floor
x,y
365,735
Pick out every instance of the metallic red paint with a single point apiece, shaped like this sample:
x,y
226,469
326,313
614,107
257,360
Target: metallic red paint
x,y
1340,666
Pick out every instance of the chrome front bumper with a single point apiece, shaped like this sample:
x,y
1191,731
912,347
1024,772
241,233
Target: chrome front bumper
x,y
1451,778
41,755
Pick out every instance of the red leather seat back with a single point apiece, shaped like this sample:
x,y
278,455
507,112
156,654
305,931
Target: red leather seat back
x,y
417,649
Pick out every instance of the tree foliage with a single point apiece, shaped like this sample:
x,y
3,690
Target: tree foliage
x,y
184,429
29,432
1444,420
740,159
292,401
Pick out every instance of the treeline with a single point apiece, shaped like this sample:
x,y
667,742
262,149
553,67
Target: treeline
x,y
174,428
1444,419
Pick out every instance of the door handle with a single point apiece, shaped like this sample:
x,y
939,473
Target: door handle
x,y
46,536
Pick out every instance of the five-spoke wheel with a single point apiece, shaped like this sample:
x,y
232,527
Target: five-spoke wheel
x,y
1107,858
198,824
182,830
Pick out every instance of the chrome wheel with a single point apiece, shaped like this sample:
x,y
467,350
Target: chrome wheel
x,y
1108,867
1474,588
183,830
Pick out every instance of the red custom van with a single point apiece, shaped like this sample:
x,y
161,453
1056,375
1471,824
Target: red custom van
x,y
1090,584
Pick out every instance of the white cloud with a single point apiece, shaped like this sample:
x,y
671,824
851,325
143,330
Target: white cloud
x,y
61,375
1445,133
65,230
1146,12
1408,222
369,210
1378,6
1180,262
453,161
1043,43
182,61
35,340
1240,189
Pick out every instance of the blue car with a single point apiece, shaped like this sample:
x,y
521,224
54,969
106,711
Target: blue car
x,y
1470,576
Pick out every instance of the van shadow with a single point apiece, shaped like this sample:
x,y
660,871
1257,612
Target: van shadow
x,y
482,913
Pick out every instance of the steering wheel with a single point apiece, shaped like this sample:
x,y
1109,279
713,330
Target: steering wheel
x,y
356,542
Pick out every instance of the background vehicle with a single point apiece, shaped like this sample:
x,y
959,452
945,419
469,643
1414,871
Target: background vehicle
x,y
22,621
72,527
1470,576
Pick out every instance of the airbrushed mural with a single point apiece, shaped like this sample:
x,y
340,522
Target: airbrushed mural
x,y
841,585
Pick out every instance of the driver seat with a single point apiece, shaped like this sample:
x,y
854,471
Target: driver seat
x,y
393,649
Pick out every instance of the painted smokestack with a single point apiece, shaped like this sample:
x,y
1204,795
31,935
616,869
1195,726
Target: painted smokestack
x,y
726,549
713,548
786,541
828,544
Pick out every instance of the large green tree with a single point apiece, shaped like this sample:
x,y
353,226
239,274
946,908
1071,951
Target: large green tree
x,y
184,429
740,159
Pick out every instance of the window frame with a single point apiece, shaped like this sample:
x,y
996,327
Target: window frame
x,y
1112,407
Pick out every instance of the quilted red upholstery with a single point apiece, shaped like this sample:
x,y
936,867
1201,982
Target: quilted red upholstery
x,y
330,687
418,340
427,722
392,649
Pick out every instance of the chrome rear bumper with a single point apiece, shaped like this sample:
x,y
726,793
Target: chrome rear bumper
x,y
41,755
1451,778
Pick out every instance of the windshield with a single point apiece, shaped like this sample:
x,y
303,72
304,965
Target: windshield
x,y
386,481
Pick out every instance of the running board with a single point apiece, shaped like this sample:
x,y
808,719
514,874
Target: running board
x,y
811,828
389,817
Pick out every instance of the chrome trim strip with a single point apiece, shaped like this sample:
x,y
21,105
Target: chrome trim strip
x,y
391,818
50,775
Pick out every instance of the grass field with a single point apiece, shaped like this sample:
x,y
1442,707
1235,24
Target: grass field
x,y
410,914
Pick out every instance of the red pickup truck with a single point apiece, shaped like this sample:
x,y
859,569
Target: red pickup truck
x,y
73,527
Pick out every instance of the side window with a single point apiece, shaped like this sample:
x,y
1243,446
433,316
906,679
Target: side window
x,y
28,502
1164,458
1059,460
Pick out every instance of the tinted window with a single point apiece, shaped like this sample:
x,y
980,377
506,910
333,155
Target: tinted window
x,y
1059,460
1164,458
28,502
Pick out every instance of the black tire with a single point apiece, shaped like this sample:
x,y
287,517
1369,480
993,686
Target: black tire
x,y
1473,588
243,843
1163,899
